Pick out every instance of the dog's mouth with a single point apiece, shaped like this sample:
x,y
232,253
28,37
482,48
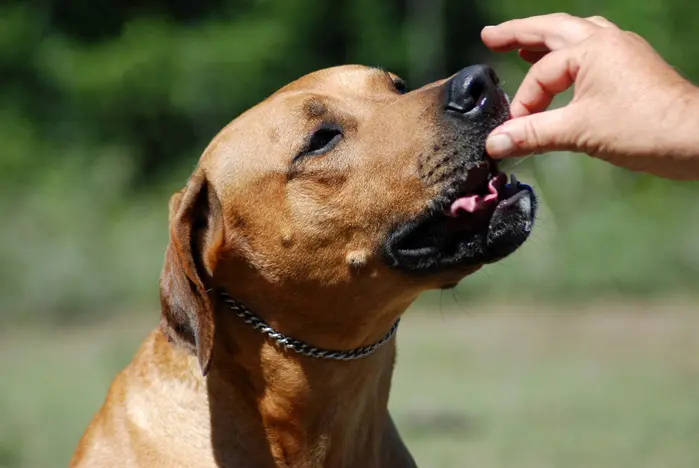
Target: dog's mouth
x,y
479,220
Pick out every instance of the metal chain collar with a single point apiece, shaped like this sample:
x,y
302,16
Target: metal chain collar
x,y
300,347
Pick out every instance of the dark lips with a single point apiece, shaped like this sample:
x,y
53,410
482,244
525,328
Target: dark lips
x,y
512,221
474,229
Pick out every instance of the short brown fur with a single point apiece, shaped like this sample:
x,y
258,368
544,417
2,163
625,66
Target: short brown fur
x,y
298,242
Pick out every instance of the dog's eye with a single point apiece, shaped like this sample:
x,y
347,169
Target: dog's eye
x,y
400,85
323,140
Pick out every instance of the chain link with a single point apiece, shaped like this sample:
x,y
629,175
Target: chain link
x,y
300,347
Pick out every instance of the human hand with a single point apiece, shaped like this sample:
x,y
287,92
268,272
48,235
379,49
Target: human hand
x,y
629,107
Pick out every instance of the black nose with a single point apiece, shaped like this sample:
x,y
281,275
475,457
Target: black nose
x,y
474,88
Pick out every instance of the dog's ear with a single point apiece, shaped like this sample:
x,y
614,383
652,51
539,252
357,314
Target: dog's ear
x,y
196,237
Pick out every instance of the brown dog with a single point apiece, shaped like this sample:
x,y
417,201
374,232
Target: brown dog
x,y
325,210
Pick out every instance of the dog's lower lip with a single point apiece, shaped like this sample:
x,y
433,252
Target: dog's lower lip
x,y
437,241
441,231
429,250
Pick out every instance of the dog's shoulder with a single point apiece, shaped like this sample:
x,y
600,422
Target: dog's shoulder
x,y
143,407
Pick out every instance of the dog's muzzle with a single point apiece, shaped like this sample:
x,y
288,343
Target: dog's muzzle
x,y
479,215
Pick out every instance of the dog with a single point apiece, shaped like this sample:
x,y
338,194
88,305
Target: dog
x,y
311,222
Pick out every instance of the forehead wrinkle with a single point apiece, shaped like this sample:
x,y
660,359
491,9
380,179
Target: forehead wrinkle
x,y
342,106
314,108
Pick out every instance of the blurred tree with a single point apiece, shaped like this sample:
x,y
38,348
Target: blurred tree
x,y
106,105
157,79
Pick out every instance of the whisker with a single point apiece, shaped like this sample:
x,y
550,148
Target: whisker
x,y
509,164
454,294
441,305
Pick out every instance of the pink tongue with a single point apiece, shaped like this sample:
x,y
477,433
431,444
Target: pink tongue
x,y
474,203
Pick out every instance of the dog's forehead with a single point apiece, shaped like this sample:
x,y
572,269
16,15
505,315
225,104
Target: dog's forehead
x,y
342,79
249,145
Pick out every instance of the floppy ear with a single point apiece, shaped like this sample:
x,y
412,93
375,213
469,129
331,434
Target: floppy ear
x,y
196,237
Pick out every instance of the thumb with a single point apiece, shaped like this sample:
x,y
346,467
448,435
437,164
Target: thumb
x,y
547,131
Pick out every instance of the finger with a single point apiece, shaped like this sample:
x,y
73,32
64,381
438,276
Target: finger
x,y
532,56
547,131
550,76
548,32
601,21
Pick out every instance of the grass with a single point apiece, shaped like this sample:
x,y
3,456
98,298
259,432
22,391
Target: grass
x,y
603,388
605,385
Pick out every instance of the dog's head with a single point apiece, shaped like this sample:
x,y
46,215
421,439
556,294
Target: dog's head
x,y
339,199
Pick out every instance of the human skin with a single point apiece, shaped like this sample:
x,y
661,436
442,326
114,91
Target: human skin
x,y
630,107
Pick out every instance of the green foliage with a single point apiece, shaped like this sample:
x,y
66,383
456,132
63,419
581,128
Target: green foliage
x,y
105,107
667,24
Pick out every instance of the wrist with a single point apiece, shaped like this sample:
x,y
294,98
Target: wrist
x,y
669,146
685,137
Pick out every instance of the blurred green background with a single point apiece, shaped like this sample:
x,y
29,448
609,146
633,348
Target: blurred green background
x,y
579,350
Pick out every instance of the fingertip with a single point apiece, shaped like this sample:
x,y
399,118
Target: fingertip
x,y
486,32
492,38
499,145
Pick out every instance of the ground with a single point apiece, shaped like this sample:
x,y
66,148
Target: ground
x,y
601,385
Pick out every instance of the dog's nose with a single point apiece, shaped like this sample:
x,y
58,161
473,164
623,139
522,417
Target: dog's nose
x,y
474,88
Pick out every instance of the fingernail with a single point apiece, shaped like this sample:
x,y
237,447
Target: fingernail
x,y
488,27
499,145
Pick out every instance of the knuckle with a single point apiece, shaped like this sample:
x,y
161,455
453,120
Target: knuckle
x,y
599,19
561,16
632,36
577,27
532,138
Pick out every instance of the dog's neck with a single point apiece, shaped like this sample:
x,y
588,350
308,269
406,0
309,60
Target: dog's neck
x,y
311,412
